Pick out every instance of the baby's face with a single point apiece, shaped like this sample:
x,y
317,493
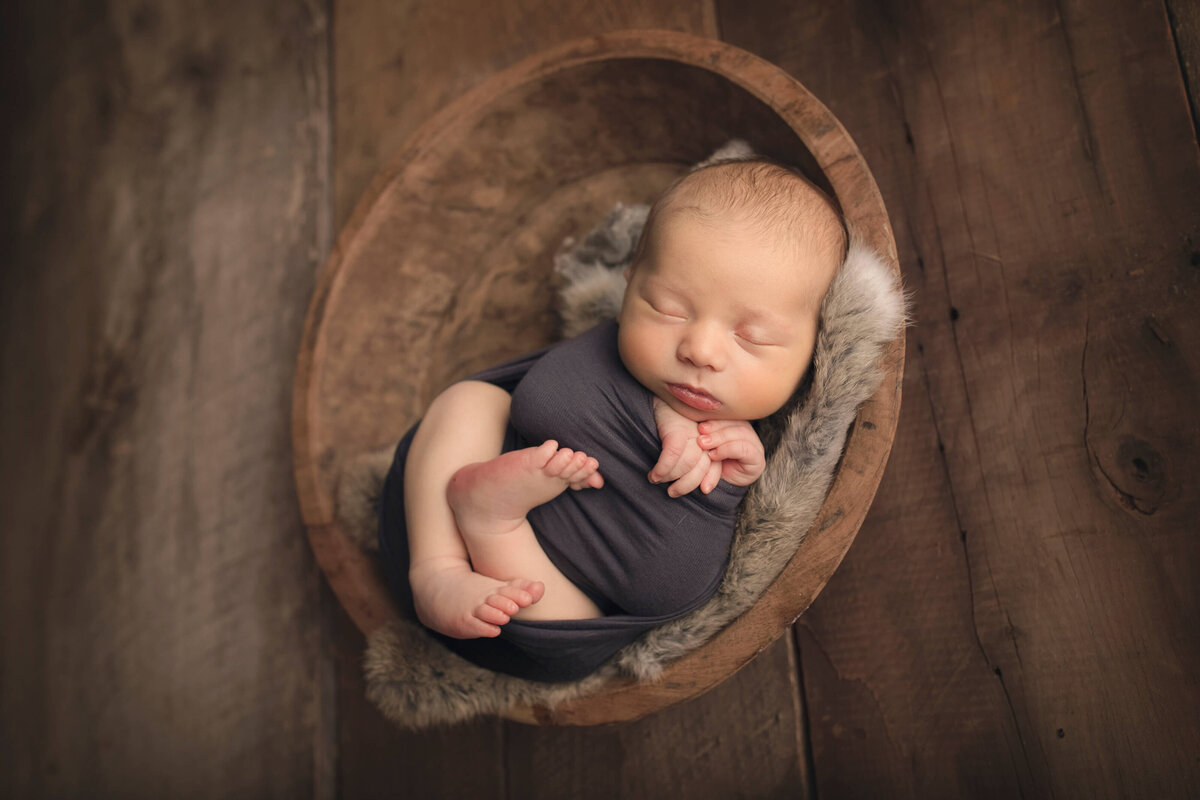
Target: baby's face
x,y
719,321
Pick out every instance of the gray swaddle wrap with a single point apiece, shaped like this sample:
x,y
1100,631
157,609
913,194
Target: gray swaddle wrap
x,y
642,556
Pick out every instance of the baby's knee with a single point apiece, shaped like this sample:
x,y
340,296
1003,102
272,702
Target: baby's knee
x,y
471,397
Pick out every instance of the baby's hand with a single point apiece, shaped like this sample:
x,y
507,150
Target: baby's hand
x,y
682,460
735,447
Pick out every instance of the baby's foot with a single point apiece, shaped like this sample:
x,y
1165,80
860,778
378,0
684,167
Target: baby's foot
x,y
462,604
494,496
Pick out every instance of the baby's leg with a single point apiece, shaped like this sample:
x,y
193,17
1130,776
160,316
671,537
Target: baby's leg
x,y
465,423
490,500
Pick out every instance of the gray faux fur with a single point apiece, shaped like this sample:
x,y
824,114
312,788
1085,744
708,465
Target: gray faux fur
x,y
418,683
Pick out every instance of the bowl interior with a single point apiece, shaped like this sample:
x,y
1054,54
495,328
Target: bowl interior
x,y
451,270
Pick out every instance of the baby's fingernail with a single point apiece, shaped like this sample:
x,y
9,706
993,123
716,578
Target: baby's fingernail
x,y
704,441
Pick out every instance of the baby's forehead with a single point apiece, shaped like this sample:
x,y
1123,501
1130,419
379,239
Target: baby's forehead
x,y
779,201
762,268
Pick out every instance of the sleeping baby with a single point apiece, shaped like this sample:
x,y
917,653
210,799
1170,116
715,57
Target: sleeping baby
x,y
548,511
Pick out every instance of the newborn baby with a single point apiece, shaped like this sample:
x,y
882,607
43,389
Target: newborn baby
x,y
559,505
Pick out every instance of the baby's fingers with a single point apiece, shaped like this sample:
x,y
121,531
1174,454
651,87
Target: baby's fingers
x,y
715,425
712,477
718,432
667,461
736,450
682,456
736,441
742,462
690,480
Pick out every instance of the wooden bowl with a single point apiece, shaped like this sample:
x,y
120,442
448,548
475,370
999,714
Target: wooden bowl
x,y
445,268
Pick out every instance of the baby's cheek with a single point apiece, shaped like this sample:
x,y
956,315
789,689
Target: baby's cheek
x,y
773,388
640,351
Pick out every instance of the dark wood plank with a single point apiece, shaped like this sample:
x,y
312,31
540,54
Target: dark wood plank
x,y
1032,625
165,209
742,739
398,63
943,725
1184,17
375,759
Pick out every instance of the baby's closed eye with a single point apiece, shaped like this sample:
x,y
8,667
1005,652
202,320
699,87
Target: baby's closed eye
x,y
668,309
756,338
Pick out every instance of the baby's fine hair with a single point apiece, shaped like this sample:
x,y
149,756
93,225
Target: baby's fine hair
x,y
771,196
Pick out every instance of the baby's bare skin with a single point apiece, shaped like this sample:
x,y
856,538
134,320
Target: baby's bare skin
x,y
467,587
490,500
453,599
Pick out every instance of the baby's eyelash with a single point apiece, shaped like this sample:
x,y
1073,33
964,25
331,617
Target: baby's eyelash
x,y
756,341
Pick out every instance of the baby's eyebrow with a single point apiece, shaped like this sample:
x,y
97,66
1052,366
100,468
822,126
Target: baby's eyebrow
x,y
656,282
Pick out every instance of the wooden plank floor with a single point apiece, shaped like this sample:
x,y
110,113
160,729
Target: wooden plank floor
x,y
1018,616
166,205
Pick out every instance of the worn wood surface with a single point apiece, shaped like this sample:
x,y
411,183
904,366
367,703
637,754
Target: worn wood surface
x,y
1019,613
396,64
1184,19
165,209
740,740
1017,616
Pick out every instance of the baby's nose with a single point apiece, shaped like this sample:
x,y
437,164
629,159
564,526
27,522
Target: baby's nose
x,y
702,347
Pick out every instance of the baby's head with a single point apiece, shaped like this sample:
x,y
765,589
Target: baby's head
x,y
720,316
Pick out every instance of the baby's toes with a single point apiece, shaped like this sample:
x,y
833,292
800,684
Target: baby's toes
x,y
519,596
471,626
580,467
487,612
543,454
502,602
559,463
534,590
586,476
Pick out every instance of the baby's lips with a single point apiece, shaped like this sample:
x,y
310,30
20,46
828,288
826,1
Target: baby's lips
x,y
694,397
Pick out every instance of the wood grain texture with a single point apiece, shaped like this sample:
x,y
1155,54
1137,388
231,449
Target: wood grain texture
x,y
165,208
1184,18
1030,627
740,740
377,759
397,63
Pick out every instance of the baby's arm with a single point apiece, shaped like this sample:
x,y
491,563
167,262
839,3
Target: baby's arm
x,y
701,455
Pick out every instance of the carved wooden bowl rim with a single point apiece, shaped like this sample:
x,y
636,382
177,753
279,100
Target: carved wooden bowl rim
x,y
351,574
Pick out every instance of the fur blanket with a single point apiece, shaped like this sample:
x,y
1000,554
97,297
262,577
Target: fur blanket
x,y
417,683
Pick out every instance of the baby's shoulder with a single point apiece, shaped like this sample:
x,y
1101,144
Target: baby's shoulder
x,y
583,382
583,363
